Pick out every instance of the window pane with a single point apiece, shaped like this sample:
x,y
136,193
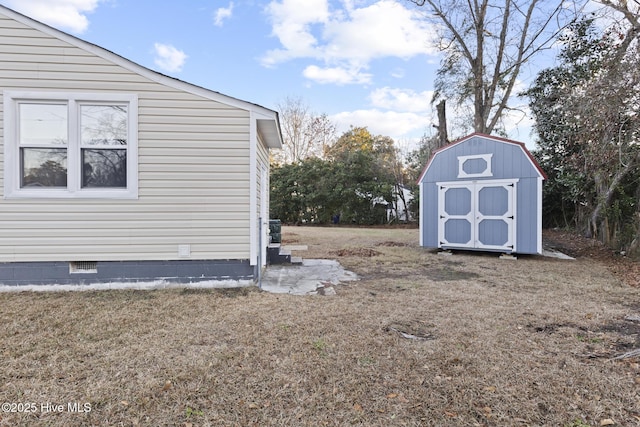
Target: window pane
x,y
103,124
104,168
43,124
43,167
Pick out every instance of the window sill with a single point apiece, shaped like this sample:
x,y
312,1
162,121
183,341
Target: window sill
x,y
107,194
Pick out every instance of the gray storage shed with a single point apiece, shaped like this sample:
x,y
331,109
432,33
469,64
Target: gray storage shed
x,y
482,193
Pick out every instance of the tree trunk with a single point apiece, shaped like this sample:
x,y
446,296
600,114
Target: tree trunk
x,y
598,226
443,137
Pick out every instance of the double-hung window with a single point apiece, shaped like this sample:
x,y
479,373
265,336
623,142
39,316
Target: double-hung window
x,y
70,145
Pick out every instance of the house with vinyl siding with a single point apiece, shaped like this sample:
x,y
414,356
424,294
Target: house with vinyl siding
x,y
113,172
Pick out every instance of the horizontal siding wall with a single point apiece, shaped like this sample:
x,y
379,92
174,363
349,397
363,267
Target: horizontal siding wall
x,y
193,168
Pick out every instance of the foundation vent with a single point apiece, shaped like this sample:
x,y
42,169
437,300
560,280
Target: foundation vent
x,y
83,267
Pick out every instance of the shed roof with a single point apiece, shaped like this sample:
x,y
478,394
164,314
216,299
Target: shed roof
x,y
268,120
524,149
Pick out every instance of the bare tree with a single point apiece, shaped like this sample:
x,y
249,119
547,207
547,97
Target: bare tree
x,y
486,44
304,133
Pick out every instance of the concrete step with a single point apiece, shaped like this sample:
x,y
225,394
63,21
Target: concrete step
x,y
276,255
295,247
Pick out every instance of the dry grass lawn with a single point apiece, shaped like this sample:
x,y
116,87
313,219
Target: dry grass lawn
x,y
421,340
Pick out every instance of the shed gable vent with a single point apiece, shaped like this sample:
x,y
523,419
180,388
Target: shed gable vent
x,y
83,267
475,166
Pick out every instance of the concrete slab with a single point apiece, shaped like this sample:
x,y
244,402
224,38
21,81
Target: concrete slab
x,y
305,279
552,253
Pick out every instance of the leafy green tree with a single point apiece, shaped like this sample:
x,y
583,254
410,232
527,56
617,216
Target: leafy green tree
x,y
559,149
355,182
588,126
302,192
415,164
365,174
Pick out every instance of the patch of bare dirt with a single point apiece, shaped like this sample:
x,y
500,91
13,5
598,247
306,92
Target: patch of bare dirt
x,y
572,244
392,244
357,252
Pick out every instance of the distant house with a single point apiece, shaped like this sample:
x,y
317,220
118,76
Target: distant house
x,y
399,210
398,207
114,172
482,193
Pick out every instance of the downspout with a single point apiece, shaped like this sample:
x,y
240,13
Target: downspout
x,y
253,192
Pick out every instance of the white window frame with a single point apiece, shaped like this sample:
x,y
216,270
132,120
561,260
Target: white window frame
x,y
486,172
12,189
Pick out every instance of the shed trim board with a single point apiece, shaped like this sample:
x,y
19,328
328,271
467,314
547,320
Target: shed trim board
x,y
197,169
539,216
482,193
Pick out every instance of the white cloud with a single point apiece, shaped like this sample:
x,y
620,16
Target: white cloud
x,y
406,115
169,58
221,14
348,37
401,99
401,114
385,28
337,75
291,21
65,14
397,125
398,73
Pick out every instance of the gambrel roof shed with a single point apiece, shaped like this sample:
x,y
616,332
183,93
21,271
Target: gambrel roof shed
x,y
482,193
114,172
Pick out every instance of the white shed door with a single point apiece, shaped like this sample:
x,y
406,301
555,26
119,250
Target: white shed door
x,y
477,214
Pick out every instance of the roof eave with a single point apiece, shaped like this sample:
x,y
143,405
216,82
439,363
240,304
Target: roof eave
x,y
270,131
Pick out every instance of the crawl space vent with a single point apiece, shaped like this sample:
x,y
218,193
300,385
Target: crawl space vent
x,y
83,267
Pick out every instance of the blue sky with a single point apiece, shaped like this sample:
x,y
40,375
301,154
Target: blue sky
x,y
362,62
